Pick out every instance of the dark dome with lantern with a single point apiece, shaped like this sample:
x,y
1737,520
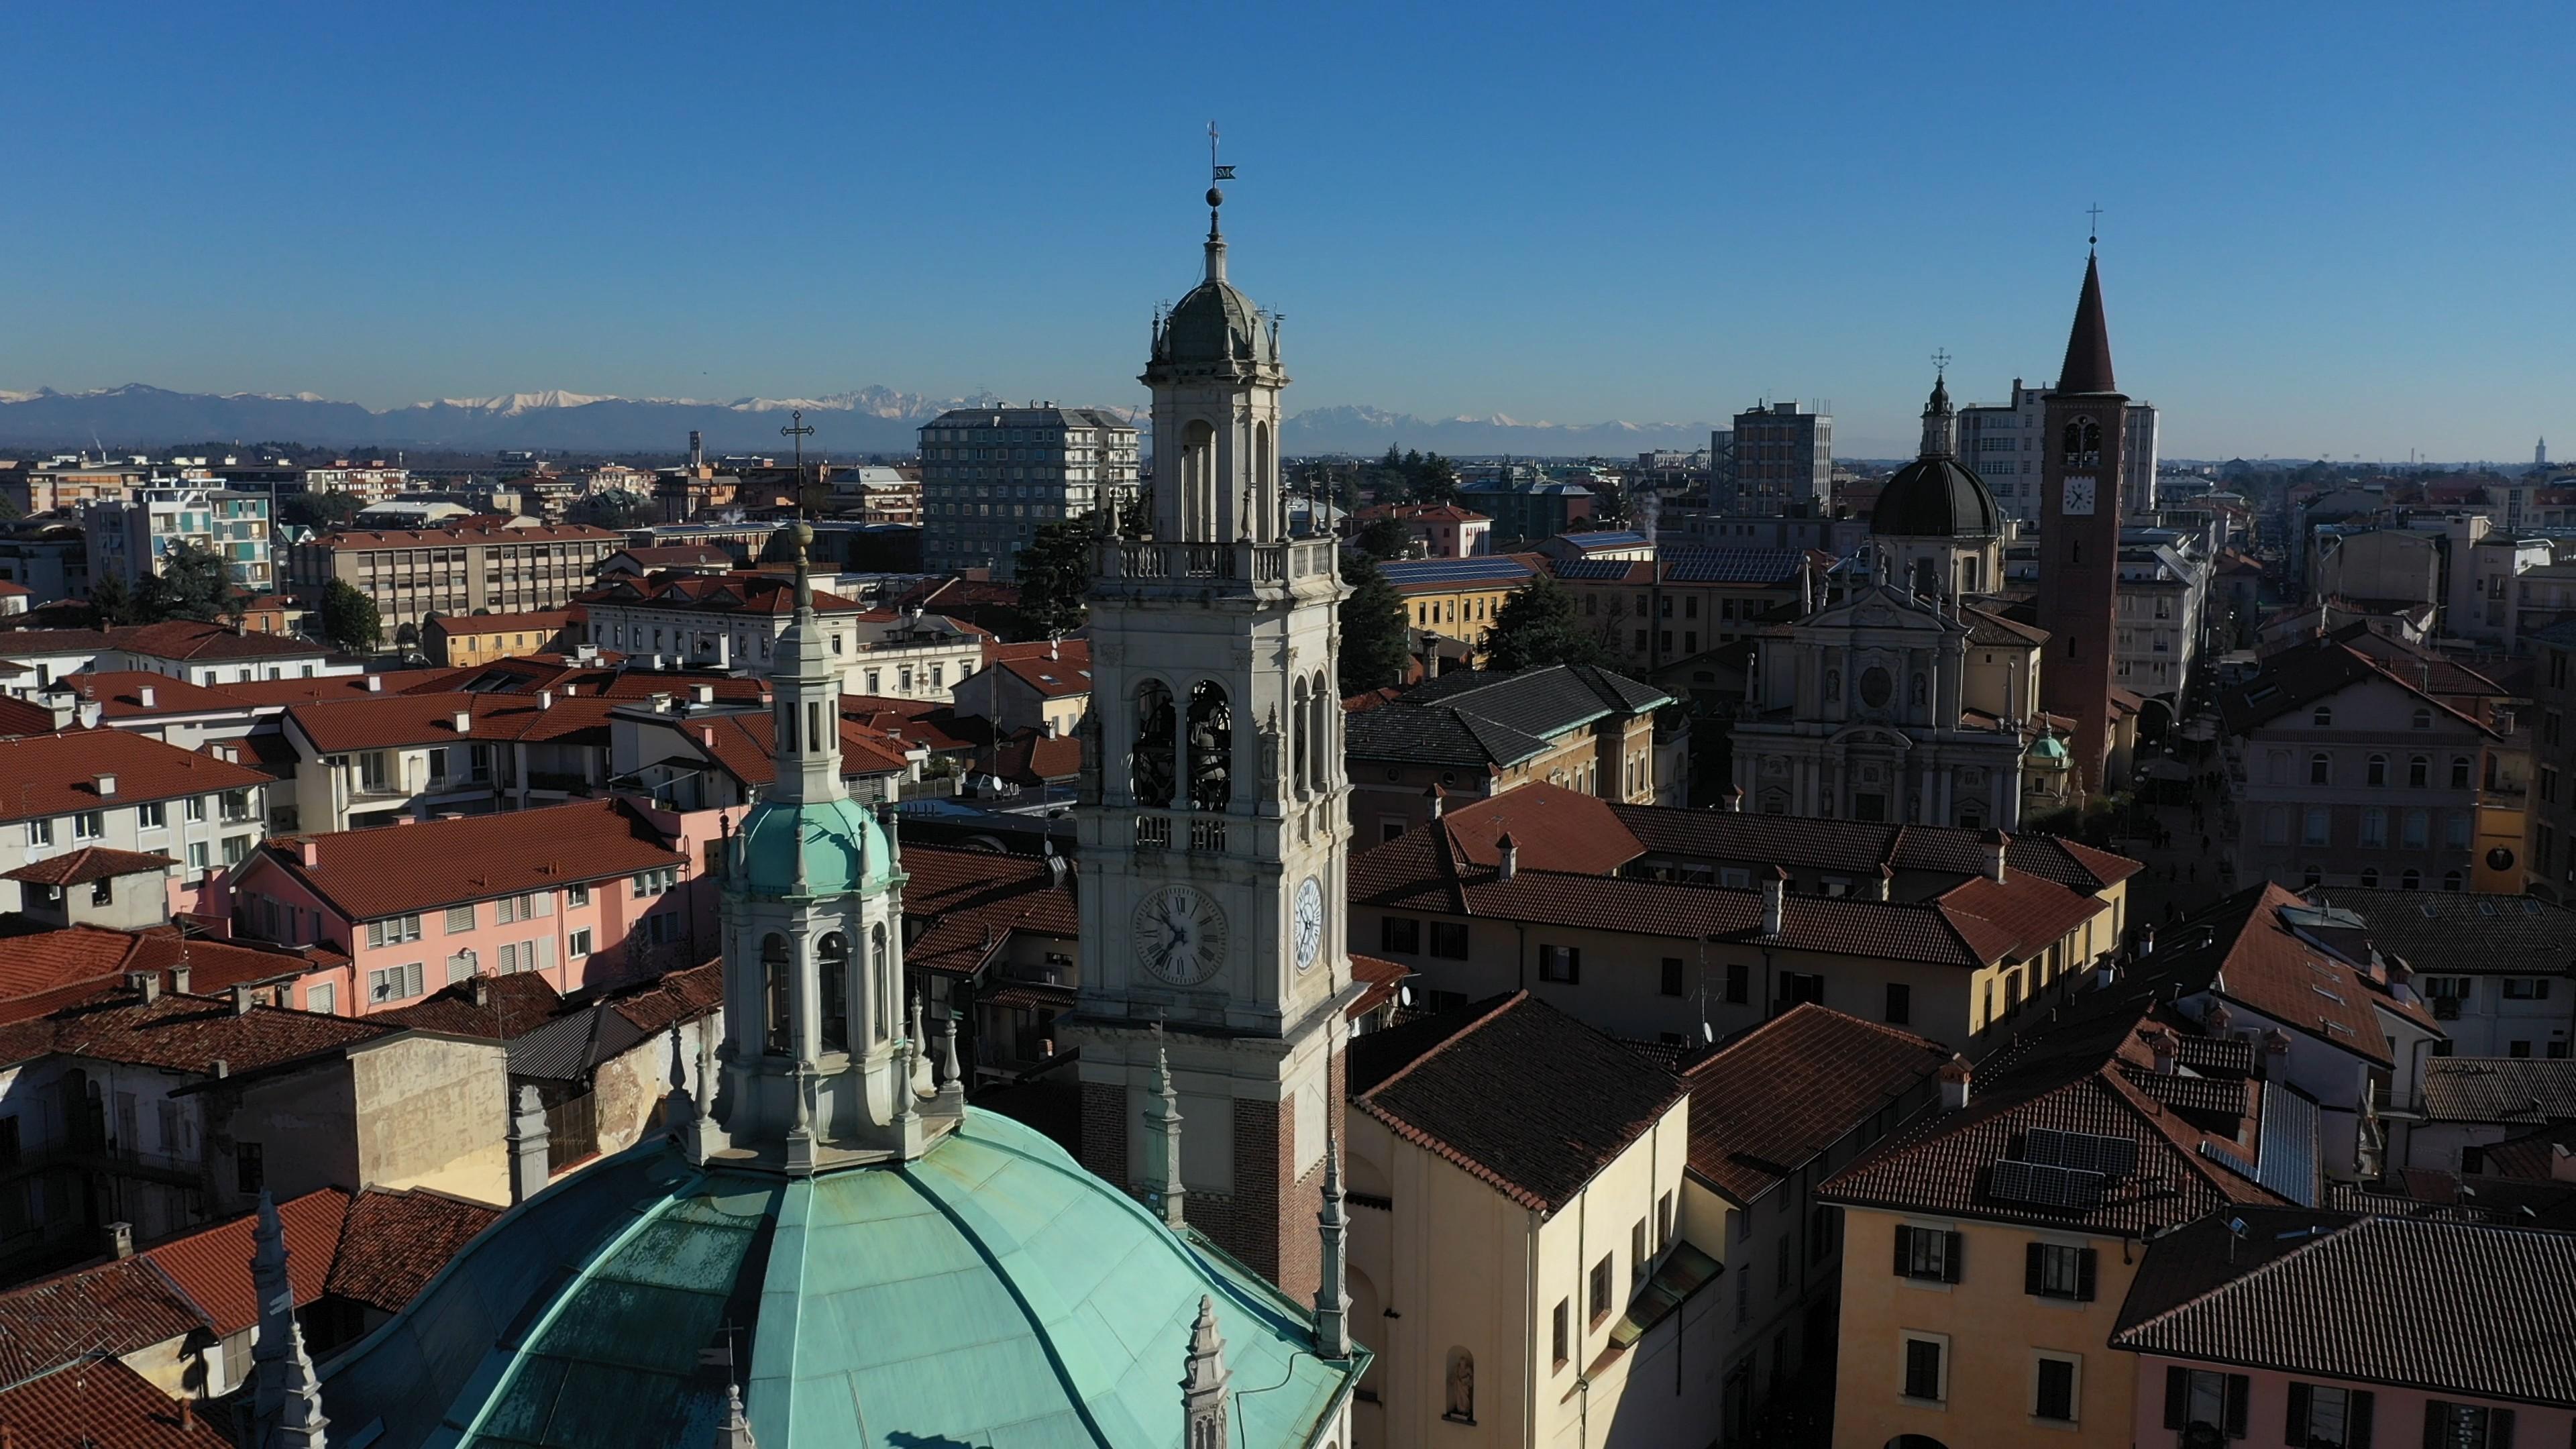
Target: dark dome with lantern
x,y
1936,495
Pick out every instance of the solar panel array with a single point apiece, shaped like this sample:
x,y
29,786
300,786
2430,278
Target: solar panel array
x,y
2084,1151
2045,1185
1731,565
1596,568
1453,570
1606,540
2228,1159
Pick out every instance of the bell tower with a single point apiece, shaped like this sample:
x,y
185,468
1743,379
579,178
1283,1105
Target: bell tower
x,y
2081,443
1213,814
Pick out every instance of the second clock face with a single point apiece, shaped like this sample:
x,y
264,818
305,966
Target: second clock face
x,y
1308,922
1180,935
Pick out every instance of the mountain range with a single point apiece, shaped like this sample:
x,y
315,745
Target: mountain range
x,y
137,417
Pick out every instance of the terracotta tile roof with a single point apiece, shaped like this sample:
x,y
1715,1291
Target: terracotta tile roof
x,y
729,594
1029,758
188,639
961,906
397,869
2500,1089
543,621
679,996
23,717
387,721
1857,848
1062,677
393,1243
1777,1097
90,863
2298,677
2243,951
1381,979
1512,1091
740,743
113,1308
915,723
212,1266
98,1403
2069,1075
2461,932
183,1034
1554,828
2032,913
119,694
2446,1308
675,555
493,1008
274,692
57,774
50,970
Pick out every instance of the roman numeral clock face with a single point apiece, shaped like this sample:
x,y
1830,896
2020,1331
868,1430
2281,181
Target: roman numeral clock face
x,y
1180,935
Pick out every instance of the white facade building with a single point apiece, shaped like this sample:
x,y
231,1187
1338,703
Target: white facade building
x,y
991,476
2001,441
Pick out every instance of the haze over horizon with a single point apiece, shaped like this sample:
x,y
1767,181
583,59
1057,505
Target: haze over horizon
x,y
2323,232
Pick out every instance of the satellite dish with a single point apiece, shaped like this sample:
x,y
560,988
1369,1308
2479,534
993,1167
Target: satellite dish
x,y
1707,1034
1404,996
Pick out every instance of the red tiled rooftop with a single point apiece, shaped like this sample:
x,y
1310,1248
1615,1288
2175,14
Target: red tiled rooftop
x,y
95,1403
57,774
90,863
964,905
392,1243
397,869
213,1266
1775,1098
388,720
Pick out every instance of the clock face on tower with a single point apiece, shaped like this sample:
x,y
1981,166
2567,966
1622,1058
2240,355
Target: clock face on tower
x,y
2078,502
1180,935
1309,922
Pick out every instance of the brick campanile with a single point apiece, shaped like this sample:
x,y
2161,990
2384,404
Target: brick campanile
x,y
2079,534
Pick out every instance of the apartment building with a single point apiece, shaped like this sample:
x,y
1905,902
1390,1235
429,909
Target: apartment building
x,y
588,894
1471,736
1451,604
1653,613
410,574
1784,459
991,476
182,649
130,537
382,759
1439,530
733,622
108,789
462,639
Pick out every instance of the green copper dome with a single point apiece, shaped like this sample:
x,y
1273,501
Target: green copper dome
x,y
991,1293
843,847
2048,747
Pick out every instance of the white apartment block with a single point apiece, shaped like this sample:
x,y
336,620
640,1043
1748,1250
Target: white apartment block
x,y
2002,443
991,476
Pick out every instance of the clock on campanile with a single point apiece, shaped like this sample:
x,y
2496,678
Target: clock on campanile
x,y
2078,500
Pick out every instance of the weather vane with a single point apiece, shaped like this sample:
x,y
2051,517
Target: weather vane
x,y
1215,171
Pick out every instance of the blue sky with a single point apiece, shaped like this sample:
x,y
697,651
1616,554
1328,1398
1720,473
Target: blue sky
x,y
2339,229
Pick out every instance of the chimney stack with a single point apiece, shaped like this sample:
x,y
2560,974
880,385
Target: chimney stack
x,y
179,976
1511,861
464,721
2168,1051
120,1240
545,699
309,851
1882,888
1433,801
144,694
2146,939
146,984
241,1000
375,684
1775,902
706,694
1954,1083
1996,843
106,786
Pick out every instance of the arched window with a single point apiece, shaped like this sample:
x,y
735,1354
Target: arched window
x,y
1149,764
777,996
2452,880
1198,482
832,961
881,973
1211,747
2379,769
2419,771
1319,736
2324,717
1297,727
786,725
2370,877
2460,772
2423,717
2412,880
2320,769
1458,1401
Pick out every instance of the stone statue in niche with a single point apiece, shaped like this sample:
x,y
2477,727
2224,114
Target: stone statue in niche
x,y
1461,1401
1088,732
1270,757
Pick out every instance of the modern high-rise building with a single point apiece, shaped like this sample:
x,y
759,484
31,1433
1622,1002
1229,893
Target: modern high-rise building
x,y
1784,458
131,538
2082,449
990,476
2002,442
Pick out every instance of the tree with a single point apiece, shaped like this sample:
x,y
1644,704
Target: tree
x,y
407,639
1054,574
1434,480
1540,626
618,508
113,600
190,585
318,510
1376,642
349,618
1385,538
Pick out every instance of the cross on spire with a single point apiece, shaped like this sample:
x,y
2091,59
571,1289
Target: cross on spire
x,y
2095,229
1941,360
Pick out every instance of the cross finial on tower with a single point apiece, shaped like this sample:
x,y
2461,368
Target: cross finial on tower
x,y
2094,231
1941,361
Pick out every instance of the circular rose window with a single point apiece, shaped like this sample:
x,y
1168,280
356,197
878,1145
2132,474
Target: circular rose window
x,y
2499,859
1875,686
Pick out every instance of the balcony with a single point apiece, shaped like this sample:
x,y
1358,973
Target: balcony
x,y
1233,567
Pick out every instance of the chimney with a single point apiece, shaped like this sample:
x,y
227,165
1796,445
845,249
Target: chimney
x,y
707,736
106,786
1775,902
2217,1019
375,684
2401,978
2146,939
1954,1083
146,984
2276,1053
219,1069
1734,800
120,1240
1996,843
1511,863
464,721
706,694
2168,1050
309,851
144,694
1433,799
241,1000
1879,889
545,699
482,989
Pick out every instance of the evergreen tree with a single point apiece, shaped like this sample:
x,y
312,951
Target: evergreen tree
x,y
1054,573
318,510
1435,480
113,601
1540,626
350,618
190,585
1376,647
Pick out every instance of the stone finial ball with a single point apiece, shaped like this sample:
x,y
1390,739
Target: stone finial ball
x,y
1215,197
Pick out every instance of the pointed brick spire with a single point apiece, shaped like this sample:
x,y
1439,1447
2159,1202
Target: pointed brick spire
x,y
2088,347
